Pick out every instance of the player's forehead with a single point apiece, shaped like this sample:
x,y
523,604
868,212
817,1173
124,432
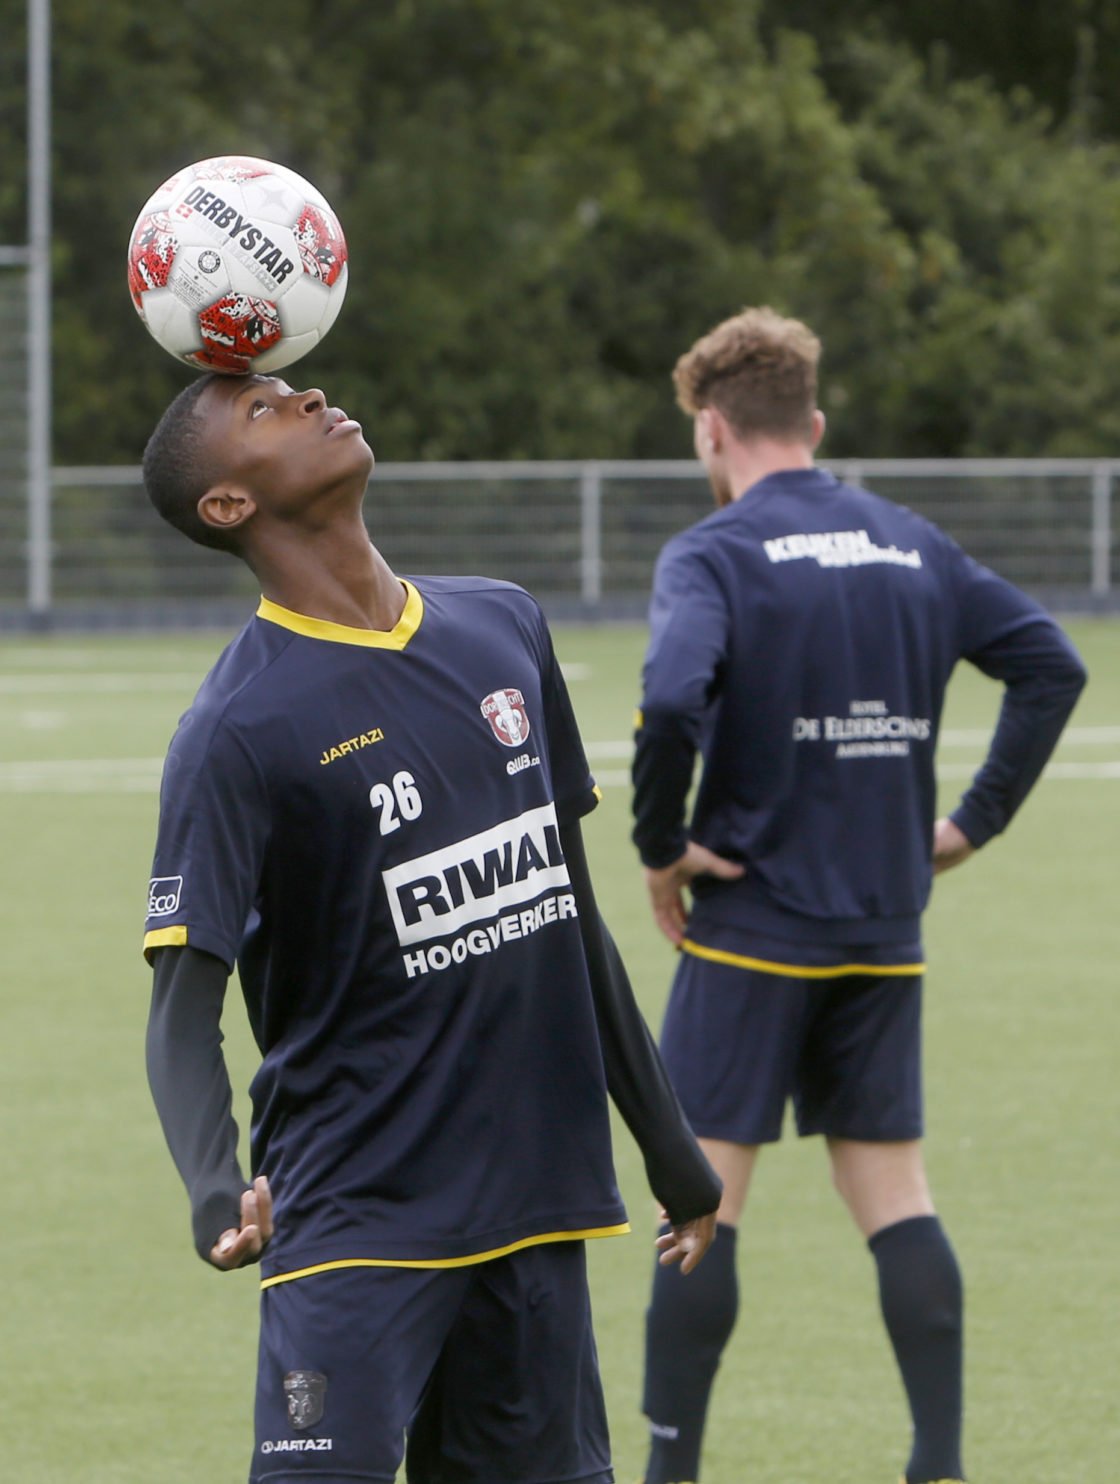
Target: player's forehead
x,y
226,399
229,390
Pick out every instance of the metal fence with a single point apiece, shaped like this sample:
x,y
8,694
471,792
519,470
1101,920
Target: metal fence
x,y
583,536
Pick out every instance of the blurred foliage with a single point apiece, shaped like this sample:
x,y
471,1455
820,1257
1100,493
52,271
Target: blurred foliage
x,y
545,204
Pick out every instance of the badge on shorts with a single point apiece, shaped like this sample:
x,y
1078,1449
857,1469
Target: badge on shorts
x,y
306,1393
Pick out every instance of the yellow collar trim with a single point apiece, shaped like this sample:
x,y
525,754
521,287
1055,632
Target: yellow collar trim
x,y
338,633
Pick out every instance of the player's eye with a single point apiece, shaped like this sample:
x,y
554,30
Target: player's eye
x,y
256,409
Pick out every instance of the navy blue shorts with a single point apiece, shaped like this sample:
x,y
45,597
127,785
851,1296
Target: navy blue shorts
x,y
738,1043
490,1369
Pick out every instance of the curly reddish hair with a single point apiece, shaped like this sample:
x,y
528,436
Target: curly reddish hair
x,y
758,369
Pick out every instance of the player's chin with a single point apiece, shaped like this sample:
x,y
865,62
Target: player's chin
x,y
363,452
349,451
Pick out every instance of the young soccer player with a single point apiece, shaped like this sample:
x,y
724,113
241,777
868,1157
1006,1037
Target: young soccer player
x,y
802,638
372,808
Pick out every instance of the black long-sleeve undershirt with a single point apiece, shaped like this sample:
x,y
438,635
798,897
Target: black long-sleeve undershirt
x,y
678,1172
190,1084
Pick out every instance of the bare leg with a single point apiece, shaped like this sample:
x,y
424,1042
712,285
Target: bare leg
x,y
734,1164
880,1183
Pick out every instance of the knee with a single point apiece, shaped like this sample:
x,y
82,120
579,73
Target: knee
x,y
881,1183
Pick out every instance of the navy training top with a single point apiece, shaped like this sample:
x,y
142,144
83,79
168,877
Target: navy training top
x,y
367,824
802,638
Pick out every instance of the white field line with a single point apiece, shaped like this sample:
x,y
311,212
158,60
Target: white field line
x,y
15,657
619,778
104,775
142,774
1071,737
98,684
108,683
974,737
962,737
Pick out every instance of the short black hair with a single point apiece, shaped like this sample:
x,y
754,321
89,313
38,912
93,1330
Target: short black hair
x,y
178,471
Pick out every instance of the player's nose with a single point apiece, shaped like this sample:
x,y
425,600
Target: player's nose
x,y
311,400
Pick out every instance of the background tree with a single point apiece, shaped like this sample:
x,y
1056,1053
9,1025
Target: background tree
x,y
546,204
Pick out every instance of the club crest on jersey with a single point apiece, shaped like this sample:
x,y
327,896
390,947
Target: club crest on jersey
x,y
306,1393
505,711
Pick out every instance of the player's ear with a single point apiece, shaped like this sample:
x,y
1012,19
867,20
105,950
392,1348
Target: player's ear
x,y
816,429
709,431
226,507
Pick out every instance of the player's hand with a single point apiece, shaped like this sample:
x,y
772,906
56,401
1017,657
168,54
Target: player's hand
x,y
687,1243
950,846
666,886
244,1244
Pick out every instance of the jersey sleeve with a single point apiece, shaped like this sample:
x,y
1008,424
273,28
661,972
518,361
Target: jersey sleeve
x,y
689,635
574,789
210,846
1011,638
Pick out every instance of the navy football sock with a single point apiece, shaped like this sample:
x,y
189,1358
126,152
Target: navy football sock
x,y
923,1303
688,1323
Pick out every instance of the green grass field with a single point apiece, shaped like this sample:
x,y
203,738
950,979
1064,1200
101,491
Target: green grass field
x,y
126,1361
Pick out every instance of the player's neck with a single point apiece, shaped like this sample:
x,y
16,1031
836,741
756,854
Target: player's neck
x,y
748,463
334,573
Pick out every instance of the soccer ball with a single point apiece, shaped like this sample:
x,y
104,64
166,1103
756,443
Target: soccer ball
x,y
237,265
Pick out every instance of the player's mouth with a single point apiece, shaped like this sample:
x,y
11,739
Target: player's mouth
x,y
340,423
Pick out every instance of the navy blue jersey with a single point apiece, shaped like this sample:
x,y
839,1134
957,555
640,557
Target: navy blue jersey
x,y
802,637
366,823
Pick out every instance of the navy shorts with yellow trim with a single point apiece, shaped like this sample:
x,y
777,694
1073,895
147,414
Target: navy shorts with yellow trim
x,y
489,1368
842,1039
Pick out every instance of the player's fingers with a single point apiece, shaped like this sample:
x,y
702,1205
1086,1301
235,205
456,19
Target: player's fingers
x,y
233,1247
662,916
689,1261
670,927
263,1192
250,1215
248,1246
678,915
687,1244
219,1253
695,1245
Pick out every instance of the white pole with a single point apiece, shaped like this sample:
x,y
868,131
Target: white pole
x,y
591,534
1101,538
39,312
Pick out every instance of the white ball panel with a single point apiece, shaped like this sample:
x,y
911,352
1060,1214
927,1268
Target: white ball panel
x,y
269,198
335,295
305,307
171,322
290,349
